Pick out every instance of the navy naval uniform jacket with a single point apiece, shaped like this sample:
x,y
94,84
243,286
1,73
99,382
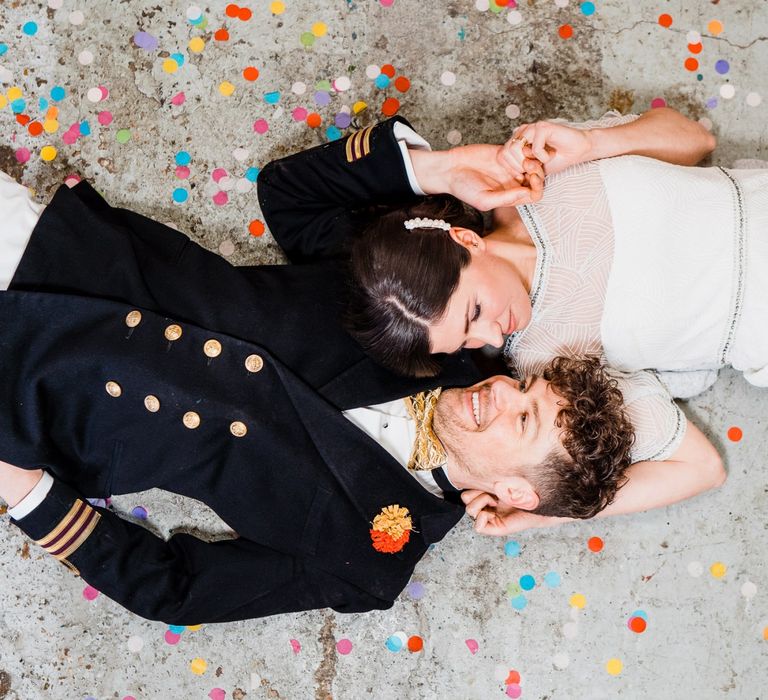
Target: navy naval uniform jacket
x,y
112,401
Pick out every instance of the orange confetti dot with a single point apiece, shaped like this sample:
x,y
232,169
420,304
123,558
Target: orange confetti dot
x,y
251,73
23,119
565,31
390,106
35,128
52,113
638,625
513,677
765,634
735,434
715,27
388,69
314,120
402,84
691,64
665,20
244,14
256,228
595,544
232,10
415,643
695,48
221,35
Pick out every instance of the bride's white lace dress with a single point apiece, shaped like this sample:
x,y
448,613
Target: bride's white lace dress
x,y
655,266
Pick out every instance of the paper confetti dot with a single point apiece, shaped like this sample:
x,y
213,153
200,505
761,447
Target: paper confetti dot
x,y
552,579
256,228
695,569
570,630
402,84
382,81
658,102
695,48
76,18
198,666
29,28
135,644
519,602
123,136
319,29
226,88
217,694
482,5
307,39
578,601
448,78
765,634
513,690
172,638
415,643
718,569
614,667
588,8
722,66
277,8
665,20
139,512
472,645
715,27
514,17
565,31
453,137
251,73
220,198
344,646
595,544
748,589
637,624
734,432
691,64
561,661
394,643
90,593
512,111
180,195
47,153
178,99
753,99
416,590
196,44
260,126
226,248
512,549
170,66
252,174
295,646
527,582
314,120
727,91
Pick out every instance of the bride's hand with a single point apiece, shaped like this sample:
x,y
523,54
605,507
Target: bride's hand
x,y
555,145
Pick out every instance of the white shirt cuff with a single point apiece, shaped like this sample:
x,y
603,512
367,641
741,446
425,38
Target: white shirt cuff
x,y
408,138
33,499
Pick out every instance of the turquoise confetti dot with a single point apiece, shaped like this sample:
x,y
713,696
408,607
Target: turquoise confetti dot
x,y
333,133
272,98
42,104
588,8
512,549
394,643
85,129
179,58
183,158
58,93
519,602
176,629
180,195
552,579
3,48
527,582
18,106
382,81
640,613
699,77
251,174
29,28
199,20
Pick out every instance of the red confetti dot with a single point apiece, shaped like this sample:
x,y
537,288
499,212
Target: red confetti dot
x,y
415,643
665,20
23,119
314,120
638,625
221,35
695,48
513,677
691,64
735,434
389,70
390,107
565,31
595,544
251,73
402,84
502,3
244,14
256,228
232,10
35,128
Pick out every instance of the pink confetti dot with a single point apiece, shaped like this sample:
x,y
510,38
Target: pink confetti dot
x,y
104,92
105,118
218,173
22,155
178,99
90,593
217,694
129,697
296,646
472,645
172,638
71,180
514,690
387,3
69,138
344,646
658,102
221,198
260,126
299,114
182,172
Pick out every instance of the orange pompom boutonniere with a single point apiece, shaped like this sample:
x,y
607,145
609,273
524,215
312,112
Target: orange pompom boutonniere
x,y
391,529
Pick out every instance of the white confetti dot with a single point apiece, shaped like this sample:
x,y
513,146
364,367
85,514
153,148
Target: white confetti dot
x,y
94,95
754,99
453,137
693,37
570,630
55,4
243,185
706,122
345,109
748,589
194,12
226,183
561,661
135,644
514,17
727,91
695,569
574,613
298,88
240,154
76,18
483,5
226,248
278,113
448,78
512,111
85,57
561,3
372,71
5,75
342,83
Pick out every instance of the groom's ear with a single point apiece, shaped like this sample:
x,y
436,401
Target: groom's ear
x,y
467,239
516,492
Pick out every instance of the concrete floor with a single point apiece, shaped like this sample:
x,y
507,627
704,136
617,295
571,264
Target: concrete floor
x,y
706,635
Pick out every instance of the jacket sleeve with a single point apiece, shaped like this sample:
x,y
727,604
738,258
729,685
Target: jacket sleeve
x,y
309,199
183,580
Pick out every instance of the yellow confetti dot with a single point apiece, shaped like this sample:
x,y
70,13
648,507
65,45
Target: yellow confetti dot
x,y
319,28
198,666
3,101
578,600
196,44
14,93
718,569
47,153
715,27
614,666
226,88
50,126
277,8
194,628
359,107
170,66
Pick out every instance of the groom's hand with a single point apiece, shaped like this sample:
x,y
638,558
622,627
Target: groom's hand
x,y
492,519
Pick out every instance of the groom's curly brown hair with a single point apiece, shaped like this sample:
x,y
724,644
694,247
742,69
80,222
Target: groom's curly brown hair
x,y
596,434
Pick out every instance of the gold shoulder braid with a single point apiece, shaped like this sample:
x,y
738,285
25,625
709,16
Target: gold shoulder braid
x,y
427,452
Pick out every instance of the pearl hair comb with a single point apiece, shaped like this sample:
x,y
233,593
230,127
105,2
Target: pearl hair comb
x,y
426,223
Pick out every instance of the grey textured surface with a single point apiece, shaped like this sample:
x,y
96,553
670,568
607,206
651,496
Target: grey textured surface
x,y
705,636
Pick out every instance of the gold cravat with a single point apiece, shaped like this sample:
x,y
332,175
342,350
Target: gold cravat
x,y
427,452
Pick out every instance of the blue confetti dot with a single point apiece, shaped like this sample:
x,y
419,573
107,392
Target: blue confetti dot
x,y
588,8
722,66
527,582
382,81
176,629
416,590
85,129
519,602
394,643
512,549
3,48
322,98
139,512
640,613
272,98
58,93
179,58
18,106
333,133
552,579
183,158
711,103
252,173
180,195
197,21
29,28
